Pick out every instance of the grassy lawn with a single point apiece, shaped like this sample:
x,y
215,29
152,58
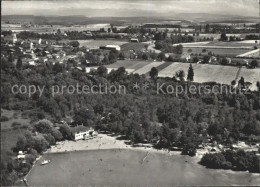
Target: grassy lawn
x,y
98,43
14,116
8,141
129,64
9,134
132,46
221,52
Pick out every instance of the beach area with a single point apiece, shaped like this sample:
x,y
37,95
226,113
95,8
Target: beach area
x,y
108,161
104,142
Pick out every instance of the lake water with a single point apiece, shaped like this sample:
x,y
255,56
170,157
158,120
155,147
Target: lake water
x,y
128,168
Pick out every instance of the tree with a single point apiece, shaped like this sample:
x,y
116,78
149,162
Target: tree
x,y
145,56
254,64
74,44
241,83
102,71
44,126
112,57
85,116
105,60
65,131
153,55
57,68
180,74
258,86
19,63
233,83
206,59
40,144
223,37
121,56
224,62
179,49
21,143
196,59
154,73
161,56
190,73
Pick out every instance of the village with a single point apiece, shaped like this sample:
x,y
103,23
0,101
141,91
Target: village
x,y
60,126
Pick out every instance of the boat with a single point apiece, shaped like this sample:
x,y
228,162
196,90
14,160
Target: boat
x,y
45,162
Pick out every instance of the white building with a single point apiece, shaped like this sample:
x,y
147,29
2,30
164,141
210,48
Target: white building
x,y
84,133
134,40
20,155
111,47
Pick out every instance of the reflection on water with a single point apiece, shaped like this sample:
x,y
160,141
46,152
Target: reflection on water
x,y
129,168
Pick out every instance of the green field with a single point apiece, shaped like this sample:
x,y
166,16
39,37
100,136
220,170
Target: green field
x,y
148,67
132,46
98,43
9,134
129,168
129,64
222,52
213,73
203,72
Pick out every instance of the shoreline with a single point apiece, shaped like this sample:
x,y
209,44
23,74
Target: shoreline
x,y
106,142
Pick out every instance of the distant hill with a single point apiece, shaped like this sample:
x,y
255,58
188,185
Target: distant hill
x,y
70,20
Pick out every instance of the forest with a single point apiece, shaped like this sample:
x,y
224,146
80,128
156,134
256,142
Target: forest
x,y
142,115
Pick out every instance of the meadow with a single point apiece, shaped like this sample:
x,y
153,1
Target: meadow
x,y
97,43
231,52
10,132
202,72
146,69
129,64
132,46
213,73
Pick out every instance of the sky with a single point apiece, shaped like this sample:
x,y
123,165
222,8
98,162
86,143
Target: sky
x,y
130,8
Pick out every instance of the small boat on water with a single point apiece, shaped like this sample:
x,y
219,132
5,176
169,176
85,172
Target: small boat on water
x,y
45,162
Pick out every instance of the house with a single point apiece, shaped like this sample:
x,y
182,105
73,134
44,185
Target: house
x,y
83,133
80,54
31,62
56,56
21,155
134,40
29,53
111,47
61,54
11,38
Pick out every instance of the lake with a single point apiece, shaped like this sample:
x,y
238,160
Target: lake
x,y
129,168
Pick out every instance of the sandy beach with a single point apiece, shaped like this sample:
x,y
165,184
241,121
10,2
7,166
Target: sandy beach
x,y
104,142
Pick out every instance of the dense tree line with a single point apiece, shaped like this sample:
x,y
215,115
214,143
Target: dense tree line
x,y
239,161
142,115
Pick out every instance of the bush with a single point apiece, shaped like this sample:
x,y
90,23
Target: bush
x,y
3,118
16,124
189,150
240,161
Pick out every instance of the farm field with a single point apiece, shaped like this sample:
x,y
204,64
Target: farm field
x,y
219,44
132,46
203,72
222,52
48,29
250,75
129,64
93,44
148,67
213,73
